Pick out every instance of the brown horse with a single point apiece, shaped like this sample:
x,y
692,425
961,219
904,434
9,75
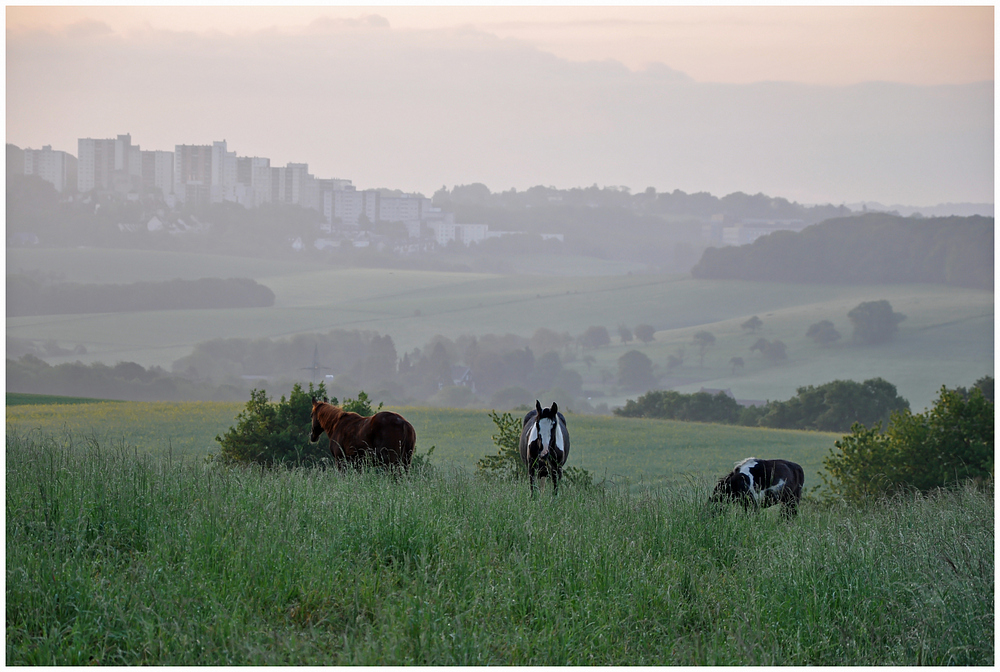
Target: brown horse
x,y
385,438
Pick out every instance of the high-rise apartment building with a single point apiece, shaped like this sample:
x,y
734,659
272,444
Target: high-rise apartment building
x,y
54,166
193,173
157,171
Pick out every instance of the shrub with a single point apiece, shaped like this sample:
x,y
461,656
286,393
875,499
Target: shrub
x,y
506,463
949,443
278,434
874,321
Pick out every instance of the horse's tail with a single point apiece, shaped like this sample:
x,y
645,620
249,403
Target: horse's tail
x,y
409,442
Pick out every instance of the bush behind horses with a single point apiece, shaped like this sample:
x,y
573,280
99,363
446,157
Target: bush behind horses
x,y
278,434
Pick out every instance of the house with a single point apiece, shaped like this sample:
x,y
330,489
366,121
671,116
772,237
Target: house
x,y
461,376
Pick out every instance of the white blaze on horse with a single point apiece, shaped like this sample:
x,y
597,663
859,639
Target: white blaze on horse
x,y
763,483
544,444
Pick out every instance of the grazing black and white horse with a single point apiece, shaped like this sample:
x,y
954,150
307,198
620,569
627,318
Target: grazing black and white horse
x,y
762,483
544,444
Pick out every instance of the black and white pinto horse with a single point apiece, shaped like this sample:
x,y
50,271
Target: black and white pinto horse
x,y
762,483
544,444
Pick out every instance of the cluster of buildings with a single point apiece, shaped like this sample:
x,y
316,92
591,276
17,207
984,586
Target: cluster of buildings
x,y
202,174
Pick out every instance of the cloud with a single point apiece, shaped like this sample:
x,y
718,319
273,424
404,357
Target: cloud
x,y
88,28
328,24
415,109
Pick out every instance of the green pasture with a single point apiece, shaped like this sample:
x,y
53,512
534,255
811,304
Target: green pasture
x,y
634,452
116,557
947,337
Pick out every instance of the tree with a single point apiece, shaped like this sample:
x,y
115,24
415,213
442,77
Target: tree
x,y
950,443
544,340
823,332
773,351
273,434
704,340
752,325
874,321
595,337
835,406
736,362
635,371
673,405
624,333
645,333
278,434
506,462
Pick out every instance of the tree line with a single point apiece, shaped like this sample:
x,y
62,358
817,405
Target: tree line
x,y
27,295
875,248
456,372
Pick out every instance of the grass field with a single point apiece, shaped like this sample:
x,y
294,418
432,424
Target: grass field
x,y
637,452
115,557
947,337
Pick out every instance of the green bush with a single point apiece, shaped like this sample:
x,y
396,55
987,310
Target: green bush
x,y
507,463
278,434
949,443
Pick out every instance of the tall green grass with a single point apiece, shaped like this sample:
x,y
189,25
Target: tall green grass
x,y
638,451
119,557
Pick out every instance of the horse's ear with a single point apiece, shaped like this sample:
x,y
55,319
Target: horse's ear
x,y
325,399
555,408
314,399
538,407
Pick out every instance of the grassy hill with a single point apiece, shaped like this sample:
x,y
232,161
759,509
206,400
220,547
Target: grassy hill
x,y
947,337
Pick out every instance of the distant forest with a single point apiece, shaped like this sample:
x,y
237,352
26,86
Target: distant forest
x,y
876,248
27,295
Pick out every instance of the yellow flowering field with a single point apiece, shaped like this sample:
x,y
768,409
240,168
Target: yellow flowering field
x,y
185,428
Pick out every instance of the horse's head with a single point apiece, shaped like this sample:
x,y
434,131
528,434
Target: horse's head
x,y
317,428
734,485
547,432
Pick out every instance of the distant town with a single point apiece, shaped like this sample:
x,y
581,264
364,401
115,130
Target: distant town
x,y
202,174
193,177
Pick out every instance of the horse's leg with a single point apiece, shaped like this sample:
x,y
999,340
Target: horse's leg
x,y
556,471
533,478
790,507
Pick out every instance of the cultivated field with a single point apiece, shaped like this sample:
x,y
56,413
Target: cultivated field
x,y
116,557
637,452
947,337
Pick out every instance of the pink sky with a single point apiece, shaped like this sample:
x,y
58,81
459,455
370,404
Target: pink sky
x,y
815,104
813,45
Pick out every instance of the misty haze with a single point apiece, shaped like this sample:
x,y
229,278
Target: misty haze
x,y
305,307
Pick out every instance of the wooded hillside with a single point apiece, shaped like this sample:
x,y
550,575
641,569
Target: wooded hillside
x,y
876,248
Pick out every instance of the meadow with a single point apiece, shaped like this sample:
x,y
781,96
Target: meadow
x,y
640,453
947,337
119,557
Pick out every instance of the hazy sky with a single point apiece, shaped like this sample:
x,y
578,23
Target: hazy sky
x,y
816,104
